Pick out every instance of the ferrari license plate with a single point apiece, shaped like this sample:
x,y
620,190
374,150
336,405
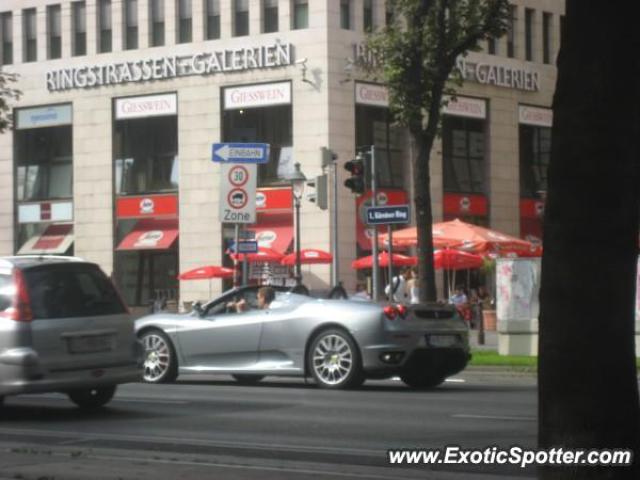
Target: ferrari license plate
x,y
442,340
90,344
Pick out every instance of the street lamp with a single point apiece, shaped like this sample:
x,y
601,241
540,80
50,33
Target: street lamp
x,y
297,180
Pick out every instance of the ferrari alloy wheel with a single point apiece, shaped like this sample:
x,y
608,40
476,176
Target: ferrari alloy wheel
x,y
160,364
334,360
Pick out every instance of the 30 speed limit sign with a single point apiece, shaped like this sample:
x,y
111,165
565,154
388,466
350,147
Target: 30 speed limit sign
x,y
238,193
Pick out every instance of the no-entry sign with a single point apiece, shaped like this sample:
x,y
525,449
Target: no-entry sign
x,y
238,193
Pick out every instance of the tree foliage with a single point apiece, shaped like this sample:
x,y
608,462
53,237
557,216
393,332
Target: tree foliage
x,y
415,56
7,94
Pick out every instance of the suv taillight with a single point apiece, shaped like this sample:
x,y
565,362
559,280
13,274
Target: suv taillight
x,y
20,311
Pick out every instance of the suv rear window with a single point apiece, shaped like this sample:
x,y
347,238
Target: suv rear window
x,y
71,290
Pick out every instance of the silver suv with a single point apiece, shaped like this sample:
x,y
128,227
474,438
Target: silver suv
x,y
64,328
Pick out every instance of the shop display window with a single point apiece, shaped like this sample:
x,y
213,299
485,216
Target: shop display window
x,y
272,125
374,126
146,155
463,154
43,163
535,153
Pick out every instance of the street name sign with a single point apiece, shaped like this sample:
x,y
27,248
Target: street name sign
x,y
238,193
244,247
388,215
240,152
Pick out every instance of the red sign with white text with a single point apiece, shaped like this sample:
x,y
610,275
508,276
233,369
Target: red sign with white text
x,y
460,205
269,199
147,206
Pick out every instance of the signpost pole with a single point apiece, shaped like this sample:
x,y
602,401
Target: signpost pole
x,y
334,220
374,273
235,261
390,251
244,263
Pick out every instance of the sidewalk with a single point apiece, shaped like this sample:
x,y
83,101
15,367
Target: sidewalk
x,y
490,340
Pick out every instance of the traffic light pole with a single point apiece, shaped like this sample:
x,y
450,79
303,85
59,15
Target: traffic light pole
x,y
375,271
334,220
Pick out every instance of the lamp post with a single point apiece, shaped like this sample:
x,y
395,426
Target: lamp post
x,y
297,186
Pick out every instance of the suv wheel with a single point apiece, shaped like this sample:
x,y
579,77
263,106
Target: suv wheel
x,y
92,398
334,360
421,380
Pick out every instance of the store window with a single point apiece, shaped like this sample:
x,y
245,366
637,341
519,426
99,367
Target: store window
x,y
345,14
130,24
104,26
54,40
262,113
240,18
269,16
79,25
300,17
43,180
213,19
184,33
29,33
6,30
535,153
146,185
463,154
156,19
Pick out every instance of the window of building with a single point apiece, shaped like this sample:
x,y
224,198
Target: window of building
x,y
528,34
300,17
6,27
389,16
511,32
240,18
345,14
269,16
54,40
374,126
130,24
546,37
146,159
535,153
104,26
562,27
30,48
184,34
367,15
156,18
492,46
79,25
212,19
463,153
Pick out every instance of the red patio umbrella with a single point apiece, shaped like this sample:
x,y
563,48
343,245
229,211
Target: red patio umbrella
x,y
397,260
207,272
451,259
308,256
263,255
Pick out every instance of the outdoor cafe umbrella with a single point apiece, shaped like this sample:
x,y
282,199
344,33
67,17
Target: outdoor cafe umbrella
x,y
397,260
207,272
460,235
308,256
451,259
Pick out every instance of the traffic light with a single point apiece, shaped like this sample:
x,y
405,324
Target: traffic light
x,y
319,193
355,183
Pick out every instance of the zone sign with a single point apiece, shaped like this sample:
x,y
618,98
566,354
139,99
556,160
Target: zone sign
x,y
238,193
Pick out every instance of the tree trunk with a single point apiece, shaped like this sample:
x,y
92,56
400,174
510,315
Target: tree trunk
x,y
424,216
588,392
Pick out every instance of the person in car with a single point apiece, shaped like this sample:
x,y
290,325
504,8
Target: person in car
x,y
266,295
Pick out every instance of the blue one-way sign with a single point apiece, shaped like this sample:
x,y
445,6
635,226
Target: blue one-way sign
x,y
388,215
240,152
244,247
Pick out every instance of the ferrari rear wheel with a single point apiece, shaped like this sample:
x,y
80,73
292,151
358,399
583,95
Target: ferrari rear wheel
x,y
334,360
160,361
246,379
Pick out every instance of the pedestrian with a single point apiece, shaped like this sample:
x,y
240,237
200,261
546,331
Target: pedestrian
x,y
396,291
413,286
361,293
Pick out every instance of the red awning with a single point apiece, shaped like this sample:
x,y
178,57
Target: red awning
x,y
151,234
55,240
274,230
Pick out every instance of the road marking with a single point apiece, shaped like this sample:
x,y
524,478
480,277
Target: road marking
x,y
494,417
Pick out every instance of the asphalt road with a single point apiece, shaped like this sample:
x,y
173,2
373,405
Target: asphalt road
x,y
210,428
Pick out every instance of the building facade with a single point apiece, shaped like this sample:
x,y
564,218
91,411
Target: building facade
x,y
110,156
